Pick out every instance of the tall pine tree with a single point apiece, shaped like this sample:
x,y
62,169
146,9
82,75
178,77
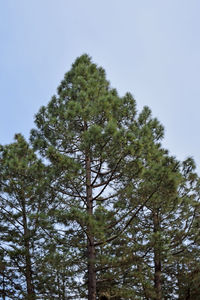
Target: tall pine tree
x,y
90,135
23,202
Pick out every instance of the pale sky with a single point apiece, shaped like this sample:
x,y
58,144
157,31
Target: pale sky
x,y
150,48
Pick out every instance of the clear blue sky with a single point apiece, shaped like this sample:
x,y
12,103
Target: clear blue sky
x,y
150,48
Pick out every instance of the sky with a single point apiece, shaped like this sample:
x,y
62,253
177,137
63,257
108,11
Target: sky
x,y
150,48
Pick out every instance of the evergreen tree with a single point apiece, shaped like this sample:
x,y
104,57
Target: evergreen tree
x,y
162,238
105,213
140,248
22,194
166,228
89,135
186,265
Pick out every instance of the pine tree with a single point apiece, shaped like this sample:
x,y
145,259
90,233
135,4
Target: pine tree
x,y
186,265
105,212
164,236
22,194
141,244
90,135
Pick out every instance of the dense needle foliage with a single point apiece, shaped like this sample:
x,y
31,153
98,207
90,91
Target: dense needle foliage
x,y
95,208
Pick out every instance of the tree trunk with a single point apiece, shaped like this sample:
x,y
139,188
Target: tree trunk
x,y
157,260
30,289
28,268
91,270
90,237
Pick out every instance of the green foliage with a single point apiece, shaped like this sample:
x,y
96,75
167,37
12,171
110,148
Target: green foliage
x,y
105,212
